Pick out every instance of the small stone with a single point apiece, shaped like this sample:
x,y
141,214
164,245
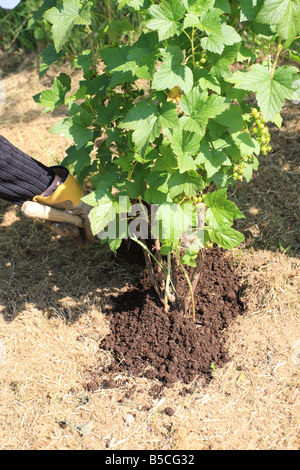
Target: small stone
x,y
169,411
129,419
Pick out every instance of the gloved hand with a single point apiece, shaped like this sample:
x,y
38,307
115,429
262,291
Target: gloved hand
x,y
67,197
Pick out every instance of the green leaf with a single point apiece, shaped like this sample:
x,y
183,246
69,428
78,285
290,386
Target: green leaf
x,y
84,60
208,21
143,120
75,127
64,17
166,161
250,9
165,18
271,91
223,5
221,211
141,62
226,237
231,118
168,117
246,144
283,16
110,113
199,107
217,42
184,145
206,81
116,29
172,72
79,159
115,58
157,192
52,99
48,57
172,221
198,6
214,161
188,183
102,214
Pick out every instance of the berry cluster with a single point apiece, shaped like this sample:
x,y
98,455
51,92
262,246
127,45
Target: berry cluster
x,y
197,199
261,131
238,170
202,60
129,94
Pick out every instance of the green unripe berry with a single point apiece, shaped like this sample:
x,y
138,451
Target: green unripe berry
x,y
203,60
269,148
260,125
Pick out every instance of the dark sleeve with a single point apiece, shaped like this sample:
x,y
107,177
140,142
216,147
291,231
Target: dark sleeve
x,y
21,176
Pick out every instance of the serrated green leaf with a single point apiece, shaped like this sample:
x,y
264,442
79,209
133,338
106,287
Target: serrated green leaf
x,y
188,183
220,211
48,57
283,16
208,21
116,29
231,118
206,81
143,120
246,144
214,161
225,237
165,18
157,192
173,72
198,6
102,213
75,127
79,159
271,91
141,61
64,17
84,60
168,116
199,107
217,42
110,113
166,161
184,145
223,5
52,99
249,9
172,221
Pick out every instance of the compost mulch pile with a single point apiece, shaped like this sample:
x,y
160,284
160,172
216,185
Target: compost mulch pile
x,y
146,341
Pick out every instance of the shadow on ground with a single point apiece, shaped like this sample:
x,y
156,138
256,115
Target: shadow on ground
x,y
51,273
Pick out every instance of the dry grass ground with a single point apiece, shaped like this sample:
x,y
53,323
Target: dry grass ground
x,y
54,298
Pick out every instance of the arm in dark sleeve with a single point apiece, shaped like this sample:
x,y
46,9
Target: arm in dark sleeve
x,y
21,176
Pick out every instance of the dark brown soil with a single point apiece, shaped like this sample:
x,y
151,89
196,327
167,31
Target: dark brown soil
x,y
146,341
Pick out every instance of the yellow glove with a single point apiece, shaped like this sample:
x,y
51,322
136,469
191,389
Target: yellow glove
x,y
67,196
